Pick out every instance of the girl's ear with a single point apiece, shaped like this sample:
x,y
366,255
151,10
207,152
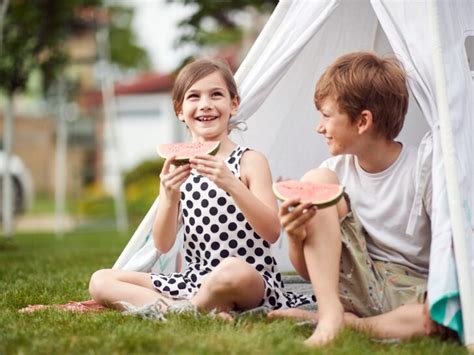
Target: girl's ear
x,y
180,116
235,105
365,121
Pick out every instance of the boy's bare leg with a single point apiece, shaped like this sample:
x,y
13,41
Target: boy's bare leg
x,y
110,287
295,313
403,322
322,252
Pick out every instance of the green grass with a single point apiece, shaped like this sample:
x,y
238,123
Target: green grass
x,y
41,269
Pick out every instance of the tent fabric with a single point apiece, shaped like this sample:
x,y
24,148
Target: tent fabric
x,y
276,83
409,41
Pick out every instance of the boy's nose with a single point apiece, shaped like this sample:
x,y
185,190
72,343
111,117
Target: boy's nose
x,y
319,128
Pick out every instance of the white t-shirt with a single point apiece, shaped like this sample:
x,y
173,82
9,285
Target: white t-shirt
x,y
383,203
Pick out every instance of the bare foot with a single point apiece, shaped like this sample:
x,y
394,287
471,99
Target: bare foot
x,y
225,316
294,313
328,328
351,319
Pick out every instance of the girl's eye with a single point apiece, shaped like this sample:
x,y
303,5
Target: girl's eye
x,y
192,96
217,93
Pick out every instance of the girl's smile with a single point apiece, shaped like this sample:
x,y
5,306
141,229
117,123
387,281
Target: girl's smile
x,y
207,107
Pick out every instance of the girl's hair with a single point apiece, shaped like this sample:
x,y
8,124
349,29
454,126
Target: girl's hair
x,y
363,81
197,70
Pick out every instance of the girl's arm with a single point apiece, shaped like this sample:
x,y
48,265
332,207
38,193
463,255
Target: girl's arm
x,y
252,193
166,219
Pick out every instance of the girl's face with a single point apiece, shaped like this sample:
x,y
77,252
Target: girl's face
x,y
207,107
340,133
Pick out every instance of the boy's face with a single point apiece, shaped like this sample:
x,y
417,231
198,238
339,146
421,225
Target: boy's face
x,y
340,133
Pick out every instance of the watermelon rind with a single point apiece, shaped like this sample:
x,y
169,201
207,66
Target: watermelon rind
x,y
182,160
319,204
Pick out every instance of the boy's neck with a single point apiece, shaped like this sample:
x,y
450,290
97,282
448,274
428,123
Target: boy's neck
x,y
379,155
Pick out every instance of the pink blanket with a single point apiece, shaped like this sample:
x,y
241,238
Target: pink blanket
x,y
73,306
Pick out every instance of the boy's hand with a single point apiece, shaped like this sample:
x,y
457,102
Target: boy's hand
x,y
294,217
214,169
171,179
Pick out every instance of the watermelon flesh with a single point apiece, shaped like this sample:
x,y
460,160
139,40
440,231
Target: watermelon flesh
x,y
185,151
320,195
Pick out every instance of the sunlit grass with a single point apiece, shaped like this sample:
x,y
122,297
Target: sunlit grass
x,y
38,268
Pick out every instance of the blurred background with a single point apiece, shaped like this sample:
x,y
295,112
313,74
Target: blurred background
x,y
85,98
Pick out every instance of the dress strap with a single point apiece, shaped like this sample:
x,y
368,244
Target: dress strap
x,y
234,159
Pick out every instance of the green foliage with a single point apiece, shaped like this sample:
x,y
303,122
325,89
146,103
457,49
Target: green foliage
x,y
141,189
213,23
96,202
32,38
124,50
45,270
147,168
34,34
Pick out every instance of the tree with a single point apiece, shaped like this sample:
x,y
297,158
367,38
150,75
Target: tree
x,y
124,50
32,38
214,23
32,35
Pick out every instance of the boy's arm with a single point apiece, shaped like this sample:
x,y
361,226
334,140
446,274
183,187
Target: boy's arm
x,y
294,217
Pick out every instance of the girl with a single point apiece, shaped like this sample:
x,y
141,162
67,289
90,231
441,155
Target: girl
x,y
227,209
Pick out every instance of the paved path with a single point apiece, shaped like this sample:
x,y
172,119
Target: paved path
x,y
42,223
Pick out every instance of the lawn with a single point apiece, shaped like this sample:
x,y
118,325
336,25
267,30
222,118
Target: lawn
x,y
38,268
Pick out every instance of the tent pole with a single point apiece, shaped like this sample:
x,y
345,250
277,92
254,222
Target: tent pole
x,y
461,249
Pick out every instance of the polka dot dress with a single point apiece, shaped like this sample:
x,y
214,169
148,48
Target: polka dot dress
x,y
215,229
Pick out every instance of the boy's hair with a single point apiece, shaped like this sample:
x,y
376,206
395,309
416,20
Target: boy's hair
x,y
197,70
363,81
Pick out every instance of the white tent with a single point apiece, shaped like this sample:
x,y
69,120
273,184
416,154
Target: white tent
x,y
276,82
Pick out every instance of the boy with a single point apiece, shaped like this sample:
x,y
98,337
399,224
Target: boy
x,y
366,269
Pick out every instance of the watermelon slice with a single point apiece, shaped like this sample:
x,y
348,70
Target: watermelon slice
x,y
184,151
321,195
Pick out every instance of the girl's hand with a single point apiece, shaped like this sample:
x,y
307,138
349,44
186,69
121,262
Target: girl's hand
x,y
294,216
214,169
172,178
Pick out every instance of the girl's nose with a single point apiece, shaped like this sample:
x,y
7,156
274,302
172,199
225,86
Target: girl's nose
x,y
204,103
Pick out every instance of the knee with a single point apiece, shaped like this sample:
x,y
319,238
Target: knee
x,y
327,176
99,283
321,175
228,276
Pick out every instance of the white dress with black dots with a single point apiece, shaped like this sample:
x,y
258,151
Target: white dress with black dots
x,y
214,229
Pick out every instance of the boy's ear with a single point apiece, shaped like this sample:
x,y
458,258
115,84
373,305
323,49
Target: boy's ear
x,y
365,121
235,105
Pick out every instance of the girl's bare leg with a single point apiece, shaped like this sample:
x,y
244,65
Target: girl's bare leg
x,y
109,287
232,285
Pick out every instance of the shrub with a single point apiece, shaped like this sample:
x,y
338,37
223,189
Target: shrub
x,y
141,189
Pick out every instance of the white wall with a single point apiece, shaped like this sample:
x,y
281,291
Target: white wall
x,y
143,122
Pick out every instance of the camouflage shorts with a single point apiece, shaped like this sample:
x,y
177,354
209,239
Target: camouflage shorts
x,y
368,287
